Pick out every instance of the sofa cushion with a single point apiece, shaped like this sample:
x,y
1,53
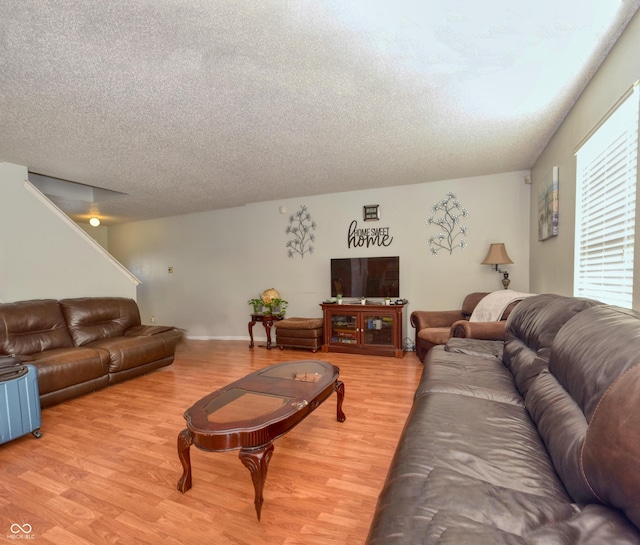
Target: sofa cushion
x,y
444,503
129,352
435,335
93,318
466,466
593,350
563,427
64,367
459,373
30,327
479,438
531,329
476,347
420,524
595,358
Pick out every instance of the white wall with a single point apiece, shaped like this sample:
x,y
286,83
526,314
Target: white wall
x,y
552,259
100,234
43,254
223,258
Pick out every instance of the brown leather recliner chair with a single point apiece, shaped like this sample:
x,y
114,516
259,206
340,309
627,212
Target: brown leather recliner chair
x,y
438,326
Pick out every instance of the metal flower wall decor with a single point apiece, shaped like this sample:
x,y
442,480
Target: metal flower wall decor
x,y
301,227
447,215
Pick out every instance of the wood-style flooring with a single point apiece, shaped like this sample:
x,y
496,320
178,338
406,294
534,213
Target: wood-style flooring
x,y
106,469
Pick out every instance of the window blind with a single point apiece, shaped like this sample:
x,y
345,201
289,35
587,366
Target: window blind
x,y
606,182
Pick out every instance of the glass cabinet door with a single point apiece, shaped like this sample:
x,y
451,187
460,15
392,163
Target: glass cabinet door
x,y
344,328
378,329
363,329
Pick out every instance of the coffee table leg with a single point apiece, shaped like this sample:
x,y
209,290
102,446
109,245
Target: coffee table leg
x,y
340,393
257,461
185,440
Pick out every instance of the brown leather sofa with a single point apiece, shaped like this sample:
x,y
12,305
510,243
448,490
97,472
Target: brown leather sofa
x,y
530,441
435,327
81,345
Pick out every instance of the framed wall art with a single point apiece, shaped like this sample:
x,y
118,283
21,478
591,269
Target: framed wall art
x,y
371,212
548,205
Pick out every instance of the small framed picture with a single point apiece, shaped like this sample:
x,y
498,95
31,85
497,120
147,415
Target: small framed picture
x,y
371,212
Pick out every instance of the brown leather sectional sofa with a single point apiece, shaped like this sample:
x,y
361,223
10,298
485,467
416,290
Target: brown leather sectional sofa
x,y
531,441
81,345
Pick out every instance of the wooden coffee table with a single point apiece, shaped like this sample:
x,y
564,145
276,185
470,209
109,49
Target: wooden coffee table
x,y
250,413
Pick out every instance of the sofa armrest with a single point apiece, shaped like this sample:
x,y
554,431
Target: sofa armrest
x,y
421,319
487,331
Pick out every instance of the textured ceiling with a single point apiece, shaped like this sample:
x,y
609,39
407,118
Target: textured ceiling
x,y
193,105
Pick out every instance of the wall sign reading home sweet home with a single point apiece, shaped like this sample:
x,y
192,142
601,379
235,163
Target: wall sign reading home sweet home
x,y
373,236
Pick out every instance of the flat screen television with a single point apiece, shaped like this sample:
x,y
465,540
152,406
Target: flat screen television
x,y
366,277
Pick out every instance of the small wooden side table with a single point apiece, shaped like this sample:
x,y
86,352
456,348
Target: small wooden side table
x,y
267,321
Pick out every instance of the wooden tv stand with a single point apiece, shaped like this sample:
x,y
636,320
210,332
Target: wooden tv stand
x,y
375,330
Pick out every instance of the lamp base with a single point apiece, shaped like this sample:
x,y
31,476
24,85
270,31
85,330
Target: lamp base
x,y
505,280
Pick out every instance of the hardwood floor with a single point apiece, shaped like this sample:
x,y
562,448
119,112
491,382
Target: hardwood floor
x,y
106,468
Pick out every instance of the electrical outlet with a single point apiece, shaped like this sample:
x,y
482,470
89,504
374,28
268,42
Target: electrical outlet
x,y
153,319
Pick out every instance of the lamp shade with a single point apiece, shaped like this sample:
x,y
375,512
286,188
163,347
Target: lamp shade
x,y
497,255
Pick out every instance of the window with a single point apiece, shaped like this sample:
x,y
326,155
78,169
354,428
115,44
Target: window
x,y
606,172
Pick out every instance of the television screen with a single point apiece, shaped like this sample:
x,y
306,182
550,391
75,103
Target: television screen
x,y
366,277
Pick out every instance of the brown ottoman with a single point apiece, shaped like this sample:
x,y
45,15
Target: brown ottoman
x,y
299,333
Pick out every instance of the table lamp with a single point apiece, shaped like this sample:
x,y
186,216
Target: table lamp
x,y
497,255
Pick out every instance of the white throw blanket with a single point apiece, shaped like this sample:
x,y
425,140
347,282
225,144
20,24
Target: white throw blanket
x,y
491,307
